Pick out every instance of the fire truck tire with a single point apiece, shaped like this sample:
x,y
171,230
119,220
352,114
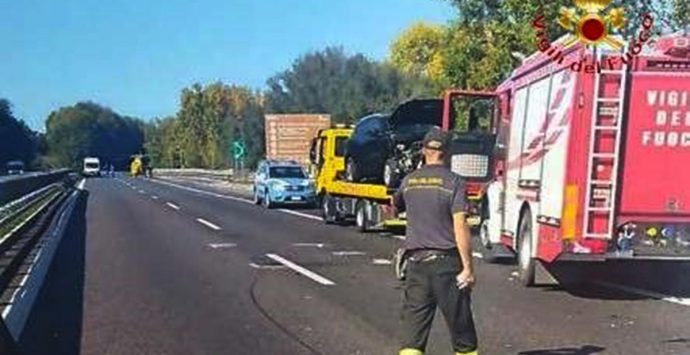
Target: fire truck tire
x,y
328,209
526,263
362,217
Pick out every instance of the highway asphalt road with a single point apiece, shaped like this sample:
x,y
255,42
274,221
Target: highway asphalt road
x,y
151,268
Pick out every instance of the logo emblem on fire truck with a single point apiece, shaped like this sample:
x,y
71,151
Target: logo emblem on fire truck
x,y
589,26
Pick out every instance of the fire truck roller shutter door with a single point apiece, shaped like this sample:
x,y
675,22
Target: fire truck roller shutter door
x,y
517,121
556,145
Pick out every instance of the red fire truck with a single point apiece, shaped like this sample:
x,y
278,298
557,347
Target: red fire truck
x,y
590,160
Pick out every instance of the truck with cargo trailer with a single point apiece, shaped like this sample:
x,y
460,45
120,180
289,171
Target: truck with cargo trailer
x,y
288,135
592,165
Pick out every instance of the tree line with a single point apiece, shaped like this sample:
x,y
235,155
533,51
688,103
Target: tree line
x,y
475,50
488,38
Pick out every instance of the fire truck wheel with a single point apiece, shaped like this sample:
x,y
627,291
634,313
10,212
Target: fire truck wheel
x,y
362,217
526,263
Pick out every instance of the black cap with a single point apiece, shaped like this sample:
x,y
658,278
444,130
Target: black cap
x,y
435,139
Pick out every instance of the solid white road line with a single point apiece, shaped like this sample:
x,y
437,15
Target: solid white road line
x,y
239,199
646,293
310,274
401,237
173,206
348,253
81,184
227,197
222,245
208,224
300,214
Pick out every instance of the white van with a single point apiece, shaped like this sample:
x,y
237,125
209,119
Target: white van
x,y
92,167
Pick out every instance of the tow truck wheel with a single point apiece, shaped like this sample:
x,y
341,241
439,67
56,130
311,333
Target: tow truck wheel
x,y
328,209
362,217
488,254
526,263
267,201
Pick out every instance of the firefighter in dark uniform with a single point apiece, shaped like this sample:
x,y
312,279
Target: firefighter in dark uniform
x,y
437,252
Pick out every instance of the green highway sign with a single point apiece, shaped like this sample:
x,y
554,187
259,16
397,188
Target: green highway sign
x,y
239,150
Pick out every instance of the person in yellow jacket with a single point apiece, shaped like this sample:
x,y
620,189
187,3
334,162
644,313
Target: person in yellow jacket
x,y
135,168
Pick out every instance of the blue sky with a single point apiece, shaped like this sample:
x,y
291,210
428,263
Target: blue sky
x,y
136,55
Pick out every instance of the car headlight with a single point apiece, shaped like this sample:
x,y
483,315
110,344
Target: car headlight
x,y
278,186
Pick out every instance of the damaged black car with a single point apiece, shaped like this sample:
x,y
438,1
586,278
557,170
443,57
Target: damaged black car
x,y
385,147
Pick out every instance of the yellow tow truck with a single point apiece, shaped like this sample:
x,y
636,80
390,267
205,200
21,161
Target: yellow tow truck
x,y
342,200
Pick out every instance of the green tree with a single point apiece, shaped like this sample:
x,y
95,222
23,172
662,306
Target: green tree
x,y
417,50
210,119
88,129
345,86
681,14
17,141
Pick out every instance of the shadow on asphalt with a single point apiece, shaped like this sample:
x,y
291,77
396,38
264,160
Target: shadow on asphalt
x,y
55,324
594,280
584,350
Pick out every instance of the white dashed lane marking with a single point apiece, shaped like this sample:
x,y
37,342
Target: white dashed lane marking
x,y
208,224
348,253
381,262
300,214
172,205
309,245
305,272
222,245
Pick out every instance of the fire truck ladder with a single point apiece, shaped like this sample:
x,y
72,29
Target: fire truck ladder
x,y
604,151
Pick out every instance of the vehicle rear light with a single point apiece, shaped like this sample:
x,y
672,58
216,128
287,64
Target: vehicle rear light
x,y
569,220
470,165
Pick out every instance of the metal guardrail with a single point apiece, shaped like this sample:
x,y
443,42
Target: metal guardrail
x,y
23,222
225,175
16,186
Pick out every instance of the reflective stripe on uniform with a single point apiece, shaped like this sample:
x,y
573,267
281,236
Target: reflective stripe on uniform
x,y
411,352
470,353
